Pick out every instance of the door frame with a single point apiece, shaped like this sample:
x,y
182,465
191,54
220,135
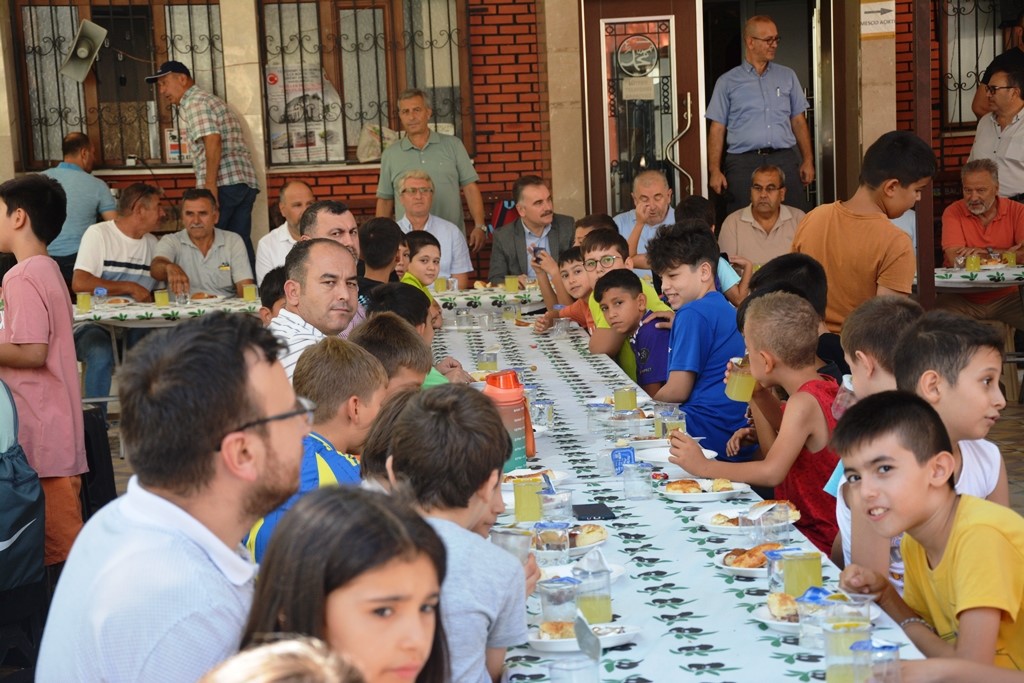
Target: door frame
x,y
697,108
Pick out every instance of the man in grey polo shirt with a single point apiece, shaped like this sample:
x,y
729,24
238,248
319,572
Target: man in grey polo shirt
x,y
88,197
158,586
202,258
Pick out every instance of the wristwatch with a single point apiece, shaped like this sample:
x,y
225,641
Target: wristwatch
x,y
486,228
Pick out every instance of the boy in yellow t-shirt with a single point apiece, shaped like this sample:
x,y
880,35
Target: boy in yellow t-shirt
x,y
603,251
963,556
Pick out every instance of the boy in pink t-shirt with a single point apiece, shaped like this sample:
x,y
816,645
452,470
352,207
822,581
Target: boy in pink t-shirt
x,y
37,354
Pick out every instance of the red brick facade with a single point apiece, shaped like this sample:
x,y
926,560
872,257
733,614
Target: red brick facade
x,y
509,102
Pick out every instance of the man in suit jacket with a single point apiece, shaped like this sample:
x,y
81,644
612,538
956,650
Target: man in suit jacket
x,y
538,227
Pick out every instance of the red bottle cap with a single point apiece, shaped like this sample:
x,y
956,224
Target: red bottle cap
x,y
504,379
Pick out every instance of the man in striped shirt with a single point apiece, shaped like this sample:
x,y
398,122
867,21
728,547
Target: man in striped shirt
x,y
321,296
115,255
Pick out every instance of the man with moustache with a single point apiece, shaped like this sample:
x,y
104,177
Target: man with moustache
x,y
295,198
320,294
158,585
974,224
761,105
765,229
202,258
518,245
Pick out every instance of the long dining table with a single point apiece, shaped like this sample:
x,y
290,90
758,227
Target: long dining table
x,y
696,622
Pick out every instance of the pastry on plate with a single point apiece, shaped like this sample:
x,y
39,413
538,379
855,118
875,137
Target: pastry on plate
x,y
719,485
586,534
683,486
749,559
782,606
556,630
198,296
533,475
794,514
721,519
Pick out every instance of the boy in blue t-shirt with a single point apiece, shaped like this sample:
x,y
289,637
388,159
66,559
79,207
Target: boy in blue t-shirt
x,y
621,298
704,334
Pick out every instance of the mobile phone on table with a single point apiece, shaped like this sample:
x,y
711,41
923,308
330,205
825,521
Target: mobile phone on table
x,y
592,511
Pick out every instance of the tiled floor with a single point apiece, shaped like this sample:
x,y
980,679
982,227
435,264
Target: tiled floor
x,y
1008,433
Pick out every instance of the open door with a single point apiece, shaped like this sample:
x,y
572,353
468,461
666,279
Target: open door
x,y
641,62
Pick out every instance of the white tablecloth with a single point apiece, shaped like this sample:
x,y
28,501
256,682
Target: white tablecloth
x,y
696,620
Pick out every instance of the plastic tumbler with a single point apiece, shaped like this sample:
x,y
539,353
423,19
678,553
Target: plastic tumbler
x,y
740,386
515,541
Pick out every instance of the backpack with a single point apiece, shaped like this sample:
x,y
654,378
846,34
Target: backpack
x,y
21,516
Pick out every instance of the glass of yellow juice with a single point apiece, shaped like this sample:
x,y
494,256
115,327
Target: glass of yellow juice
x,y
250,292
595,607
973,263
440,285
527,502
162,298
511,283
624,397
800,571
1010,258
840,662
84,302
740,386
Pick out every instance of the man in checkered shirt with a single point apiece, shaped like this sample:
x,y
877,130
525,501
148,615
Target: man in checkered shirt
x,y
219,155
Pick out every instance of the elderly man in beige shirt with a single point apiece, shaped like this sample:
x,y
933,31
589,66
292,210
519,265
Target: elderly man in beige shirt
x,y
765,229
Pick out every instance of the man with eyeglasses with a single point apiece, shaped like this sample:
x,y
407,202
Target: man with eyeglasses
x,y
765,229
1000,135
761,105
521,246
1012,59
416,194
158,586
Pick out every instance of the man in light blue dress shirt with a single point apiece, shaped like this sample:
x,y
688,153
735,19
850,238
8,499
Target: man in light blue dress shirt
x,y
652,198
158,586
761,105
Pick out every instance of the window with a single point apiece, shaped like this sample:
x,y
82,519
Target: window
x,y
970,39
333,70
114,106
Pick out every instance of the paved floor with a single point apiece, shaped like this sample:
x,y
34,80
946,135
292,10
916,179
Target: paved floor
x,y
1008,433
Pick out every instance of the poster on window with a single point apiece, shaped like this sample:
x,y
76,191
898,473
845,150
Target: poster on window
x,y
304,115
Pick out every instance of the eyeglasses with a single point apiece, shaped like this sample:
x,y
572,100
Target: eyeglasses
x,y
771,40
417,190
605,261
764,188
993,89
303,406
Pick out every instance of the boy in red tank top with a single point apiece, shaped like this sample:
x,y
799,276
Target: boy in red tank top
x,y
781,331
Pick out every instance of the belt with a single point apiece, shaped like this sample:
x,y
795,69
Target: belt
x,y
765,151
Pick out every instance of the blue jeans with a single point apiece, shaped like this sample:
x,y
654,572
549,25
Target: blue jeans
x,y
236,203
93,347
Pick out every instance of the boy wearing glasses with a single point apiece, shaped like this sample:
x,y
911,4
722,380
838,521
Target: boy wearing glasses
x,y
604,251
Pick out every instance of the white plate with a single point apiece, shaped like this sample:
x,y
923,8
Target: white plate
x,y
704,519
645,444
763,615
738,489
748,572
207,297
118,301
581,550
570,644
660,455
617,571
557,476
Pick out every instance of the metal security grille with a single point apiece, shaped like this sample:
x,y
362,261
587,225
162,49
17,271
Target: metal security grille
x,y
333,69
114,106
969,39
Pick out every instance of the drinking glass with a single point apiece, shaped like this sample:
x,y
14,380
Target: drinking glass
x,y
840,661
577,669
973,263
527,504
740,386
556,507
551,543
162,298
515,541
800,571
625,397
636,481
84,302
453,284
511,283
250,292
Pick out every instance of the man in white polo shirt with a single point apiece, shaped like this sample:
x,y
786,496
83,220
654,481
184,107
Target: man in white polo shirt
x,y
158,586
202,258
295,198
416,193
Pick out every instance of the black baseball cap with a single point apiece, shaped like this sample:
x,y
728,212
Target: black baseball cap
x,y
169,68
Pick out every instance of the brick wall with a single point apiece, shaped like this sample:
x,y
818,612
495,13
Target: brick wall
x,y
509,112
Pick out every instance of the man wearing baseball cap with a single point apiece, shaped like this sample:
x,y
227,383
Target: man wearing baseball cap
x,y
219,155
